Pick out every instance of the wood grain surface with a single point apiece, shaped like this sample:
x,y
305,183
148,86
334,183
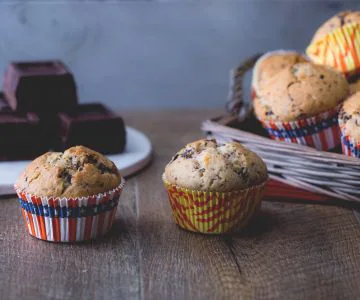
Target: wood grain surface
x,y
289,251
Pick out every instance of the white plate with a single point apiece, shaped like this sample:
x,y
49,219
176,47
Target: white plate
x,y
136,156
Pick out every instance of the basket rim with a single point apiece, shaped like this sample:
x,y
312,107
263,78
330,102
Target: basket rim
x,y
215,126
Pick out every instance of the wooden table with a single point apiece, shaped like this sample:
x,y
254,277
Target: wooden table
x,y
290,251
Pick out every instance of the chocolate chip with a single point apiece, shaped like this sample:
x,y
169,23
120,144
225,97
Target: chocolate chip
x,y
344,116
322,76
65,175
226,155
105,169
91,159
174,158
188,153
75,163
243,172
342,19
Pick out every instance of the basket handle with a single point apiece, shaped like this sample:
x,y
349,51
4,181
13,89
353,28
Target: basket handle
x,y
236,103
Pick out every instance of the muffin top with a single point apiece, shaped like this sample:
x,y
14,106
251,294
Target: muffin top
x,y
302,90
355,87
349,116
335,22
271,63
206,165
77,172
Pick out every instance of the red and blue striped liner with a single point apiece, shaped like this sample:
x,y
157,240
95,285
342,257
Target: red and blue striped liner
x,y
350,147
321,131
69,219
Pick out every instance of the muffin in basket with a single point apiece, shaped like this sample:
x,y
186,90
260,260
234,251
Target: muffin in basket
x,y
270,64
214,188
336,43
355,87
70,196
349,121
300,105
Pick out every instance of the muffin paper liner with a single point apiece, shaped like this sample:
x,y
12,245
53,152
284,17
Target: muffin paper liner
x,y
339,49
321,131
349,146
213,212
69,219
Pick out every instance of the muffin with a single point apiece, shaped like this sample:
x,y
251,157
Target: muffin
x,y
355,87
270,64
300,105
336,42
70,196
214,188
349,121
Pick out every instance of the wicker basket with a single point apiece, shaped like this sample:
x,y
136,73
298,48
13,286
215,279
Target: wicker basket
x,y
329,173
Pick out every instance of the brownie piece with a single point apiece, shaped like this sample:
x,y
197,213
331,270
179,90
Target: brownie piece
x,y
40,86
94,126
21,136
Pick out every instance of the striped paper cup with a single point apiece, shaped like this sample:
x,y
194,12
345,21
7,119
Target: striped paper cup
x,y
349,145
213,212
69,219
339,49
321,131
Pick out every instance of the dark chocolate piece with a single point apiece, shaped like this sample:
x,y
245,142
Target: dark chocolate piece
x,y
21,136
43,86
4,106
93,126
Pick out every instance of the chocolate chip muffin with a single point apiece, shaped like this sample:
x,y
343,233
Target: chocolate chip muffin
x,y
270,64
205,165
355,87
349,117
214,188
77,172
335,22
300,91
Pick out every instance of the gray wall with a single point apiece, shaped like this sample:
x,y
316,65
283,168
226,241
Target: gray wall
x,y
156,54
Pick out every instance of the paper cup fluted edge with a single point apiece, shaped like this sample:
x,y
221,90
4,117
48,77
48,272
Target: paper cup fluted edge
x,y
213,212
320,131
75,219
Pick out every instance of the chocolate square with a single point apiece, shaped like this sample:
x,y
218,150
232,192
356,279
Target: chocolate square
x,y
41,86
4,106
94,126
21,136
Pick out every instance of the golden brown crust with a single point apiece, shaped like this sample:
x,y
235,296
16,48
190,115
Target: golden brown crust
x,y
355,87
302,91
272,63
77,172
335,22
208,166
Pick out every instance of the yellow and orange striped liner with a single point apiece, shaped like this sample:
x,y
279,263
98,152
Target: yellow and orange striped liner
x,y
213,212
339,49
